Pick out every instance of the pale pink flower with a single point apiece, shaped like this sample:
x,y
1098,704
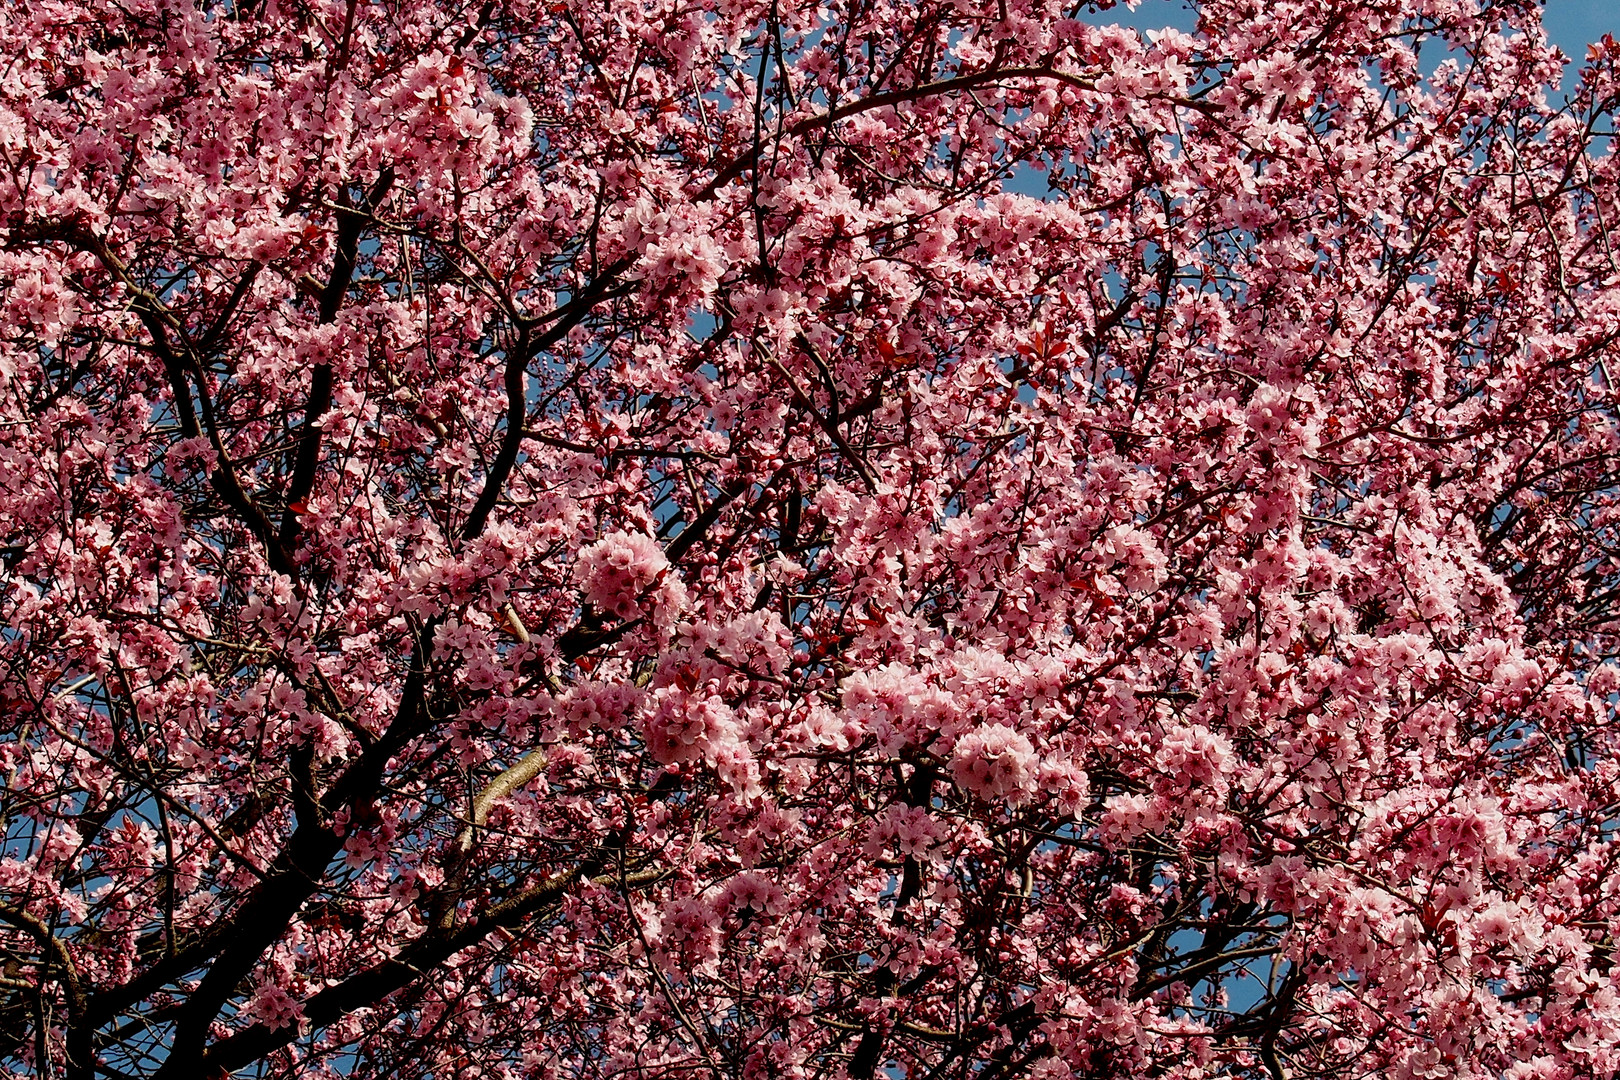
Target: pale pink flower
x,y
995,763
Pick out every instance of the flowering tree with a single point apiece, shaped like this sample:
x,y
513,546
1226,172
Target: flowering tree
x,y
594,540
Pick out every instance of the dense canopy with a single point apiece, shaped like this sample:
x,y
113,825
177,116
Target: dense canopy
x,y
943,539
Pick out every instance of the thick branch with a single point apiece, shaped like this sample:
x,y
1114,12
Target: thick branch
x,y
916,792
80,1064
390,976
160,323
261,919
350,225
563,320
742,162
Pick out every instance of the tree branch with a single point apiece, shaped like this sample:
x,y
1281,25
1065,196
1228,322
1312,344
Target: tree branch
x,y
80,1057
563,321
742,162
350,225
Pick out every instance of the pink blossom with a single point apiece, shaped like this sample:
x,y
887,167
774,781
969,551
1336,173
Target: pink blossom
x,y
996,763
684,727
274,1007
807,541
619,572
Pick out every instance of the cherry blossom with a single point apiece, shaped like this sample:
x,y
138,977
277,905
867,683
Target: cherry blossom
x,y
788,541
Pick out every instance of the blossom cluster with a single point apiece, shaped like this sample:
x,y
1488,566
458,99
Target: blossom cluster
x,y
552,540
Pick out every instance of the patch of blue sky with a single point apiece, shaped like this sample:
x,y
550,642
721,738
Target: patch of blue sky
x,y
1572,25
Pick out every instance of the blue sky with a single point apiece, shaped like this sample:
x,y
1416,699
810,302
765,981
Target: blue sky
x,y
1571,24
